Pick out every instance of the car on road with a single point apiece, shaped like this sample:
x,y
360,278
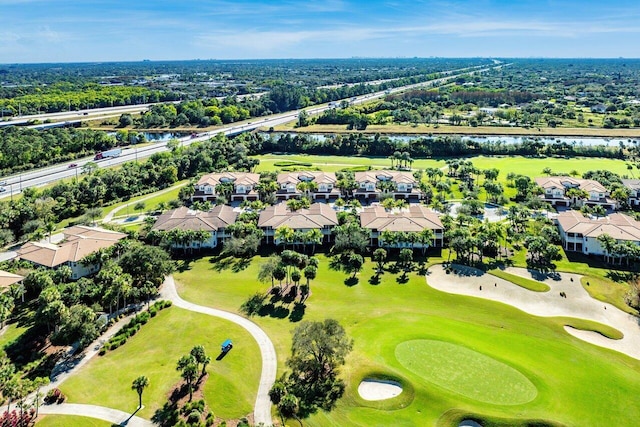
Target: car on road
x,y
2,189
73,165
3,183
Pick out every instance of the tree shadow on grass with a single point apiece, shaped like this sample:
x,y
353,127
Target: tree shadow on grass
x,y
298,312
351,281
240,264
403,278
271,310
221,262
374,280
621,276
291,295
167,415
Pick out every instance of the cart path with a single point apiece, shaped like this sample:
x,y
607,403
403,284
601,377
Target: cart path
x,y
262,409
578,303
100,412
110,215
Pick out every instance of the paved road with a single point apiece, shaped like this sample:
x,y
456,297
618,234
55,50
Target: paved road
x,y
262,409
111,415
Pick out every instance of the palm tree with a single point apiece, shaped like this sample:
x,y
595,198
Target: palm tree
x,y
314,236
379,256
608,244
426,237
284,235
139,384
189,370
50,227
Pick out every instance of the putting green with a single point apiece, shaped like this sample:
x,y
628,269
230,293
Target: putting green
x,y
467,372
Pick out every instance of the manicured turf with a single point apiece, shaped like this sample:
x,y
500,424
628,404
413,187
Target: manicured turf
x,y
379,317
12,332
230,390
506,164
589,325
532,285
466,372
70,421
150,203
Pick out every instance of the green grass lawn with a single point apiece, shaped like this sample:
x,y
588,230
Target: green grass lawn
x,y
465,372
230,390
379,317
532,285
531,167
150,204
70,421
13,331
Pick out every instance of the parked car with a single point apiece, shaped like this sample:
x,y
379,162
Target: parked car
x,y
73,165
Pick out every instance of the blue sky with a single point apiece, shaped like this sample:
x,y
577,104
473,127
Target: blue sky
x,y
101,30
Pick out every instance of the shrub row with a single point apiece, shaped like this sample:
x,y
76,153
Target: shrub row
x,y
290,163
134,325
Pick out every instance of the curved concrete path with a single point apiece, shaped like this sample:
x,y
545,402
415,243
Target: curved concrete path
x,y
578,303
100,412
110,215
262,409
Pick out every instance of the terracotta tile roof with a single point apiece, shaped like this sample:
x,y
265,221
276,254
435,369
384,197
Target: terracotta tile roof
x,y
414,219
318,215
79,242
238,178
566,182
617,225
633,184
395,176
315,176
186,219
7,279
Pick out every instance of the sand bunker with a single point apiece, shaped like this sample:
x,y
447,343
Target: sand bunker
x,y
469,423
370,389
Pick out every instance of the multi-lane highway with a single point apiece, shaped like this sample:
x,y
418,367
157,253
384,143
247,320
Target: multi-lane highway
x,y
16,183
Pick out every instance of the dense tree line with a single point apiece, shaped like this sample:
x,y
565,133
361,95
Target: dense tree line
x,y
25,149
68,97
422,146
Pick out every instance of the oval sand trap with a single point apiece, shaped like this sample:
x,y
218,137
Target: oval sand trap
x,y
370,389
467,372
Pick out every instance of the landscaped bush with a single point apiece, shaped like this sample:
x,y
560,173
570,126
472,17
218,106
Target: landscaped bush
x,y
133,326
284,164
54,396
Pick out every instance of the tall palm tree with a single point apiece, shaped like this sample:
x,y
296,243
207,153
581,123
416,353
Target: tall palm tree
x,y
285,235
426,237
314,236
139,384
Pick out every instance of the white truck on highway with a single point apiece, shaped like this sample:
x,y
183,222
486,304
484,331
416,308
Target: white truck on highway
x,y
109,153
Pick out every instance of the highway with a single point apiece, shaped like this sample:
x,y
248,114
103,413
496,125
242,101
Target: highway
x,y
16,183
